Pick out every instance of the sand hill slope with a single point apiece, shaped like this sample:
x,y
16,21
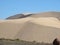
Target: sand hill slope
x,y
37,15
41,27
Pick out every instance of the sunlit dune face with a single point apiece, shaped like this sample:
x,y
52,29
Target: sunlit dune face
x,y
50,21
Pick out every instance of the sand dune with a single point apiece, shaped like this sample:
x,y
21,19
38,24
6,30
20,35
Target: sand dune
x,y
41,27
40,33
47,14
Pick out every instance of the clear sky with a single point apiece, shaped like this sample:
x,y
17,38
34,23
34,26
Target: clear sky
x,y
12,7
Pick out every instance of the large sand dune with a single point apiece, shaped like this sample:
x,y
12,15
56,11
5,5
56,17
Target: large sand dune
x,y
41,27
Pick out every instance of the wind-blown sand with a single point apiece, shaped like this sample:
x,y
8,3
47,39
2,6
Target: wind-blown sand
x,y
41,27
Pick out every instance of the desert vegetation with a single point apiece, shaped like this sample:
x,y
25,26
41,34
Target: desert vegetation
x,y
4,41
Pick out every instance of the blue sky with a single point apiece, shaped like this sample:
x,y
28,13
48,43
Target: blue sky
x,y
12,7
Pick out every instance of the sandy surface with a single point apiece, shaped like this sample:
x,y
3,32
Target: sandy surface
x,y
41,29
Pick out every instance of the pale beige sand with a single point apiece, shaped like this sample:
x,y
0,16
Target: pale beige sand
x,y
35,27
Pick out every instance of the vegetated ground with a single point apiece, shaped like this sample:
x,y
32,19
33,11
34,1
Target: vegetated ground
x,y
20,42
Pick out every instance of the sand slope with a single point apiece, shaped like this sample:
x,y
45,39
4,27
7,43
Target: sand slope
x,y
41,28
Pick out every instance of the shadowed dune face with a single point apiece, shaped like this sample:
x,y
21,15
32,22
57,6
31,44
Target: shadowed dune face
x,y
18,16
43,27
